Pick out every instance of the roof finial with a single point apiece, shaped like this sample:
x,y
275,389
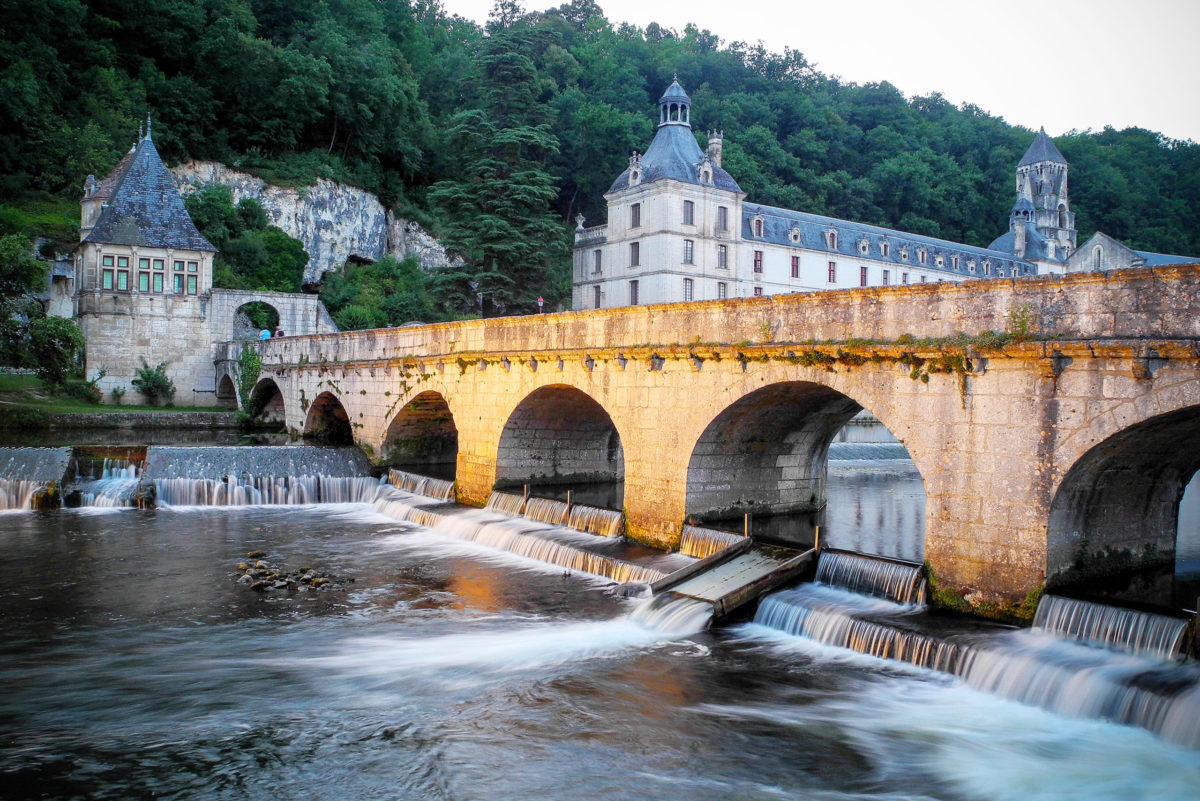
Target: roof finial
x,y
676,77
148,124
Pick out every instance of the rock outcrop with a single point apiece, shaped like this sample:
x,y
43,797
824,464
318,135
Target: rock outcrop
x,y
334,221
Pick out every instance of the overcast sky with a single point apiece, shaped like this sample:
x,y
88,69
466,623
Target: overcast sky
x,y
1066,64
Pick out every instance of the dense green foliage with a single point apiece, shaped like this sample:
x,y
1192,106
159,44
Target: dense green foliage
x,y
55,345
387,292
496,137
252,254
20,275
154,383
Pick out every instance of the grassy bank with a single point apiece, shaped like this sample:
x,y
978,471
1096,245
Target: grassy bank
x,y
21,395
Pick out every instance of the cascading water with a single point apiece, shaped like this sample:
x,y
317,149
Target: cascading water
x,y
505,503
518,536
1034,667
422,485
273,475
704,542
265,490
1111,626
26,471
546,510
898,581
673,614
114,484
594,520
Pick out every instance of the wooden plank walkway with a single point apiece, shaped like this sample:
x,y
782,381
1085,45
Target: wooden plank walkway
x,y
745,577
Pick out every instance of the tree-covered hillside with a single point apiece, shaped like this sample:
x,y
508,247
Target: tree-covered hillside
x,y
496,137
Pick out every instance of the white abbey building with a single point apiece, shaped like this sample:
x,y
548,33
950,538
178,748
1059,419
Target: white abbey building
x,y
680,229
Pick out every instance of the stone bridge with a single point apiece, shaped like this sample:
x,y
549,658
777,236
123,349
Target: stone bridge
x,y
1058,451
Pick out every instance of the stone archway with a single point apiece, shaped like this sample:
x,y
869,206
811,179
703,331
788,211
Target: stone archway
x,y
766,452
252,317
227,392
327,421
559,435
423,436
266,402
1117,507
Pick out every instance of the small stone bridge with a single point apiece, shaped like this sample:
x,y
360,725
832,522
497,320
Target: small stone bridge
x,y
1056,453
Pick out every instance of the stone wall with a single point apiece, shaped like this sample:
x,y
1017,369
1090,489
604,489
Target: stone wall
x,y
334,221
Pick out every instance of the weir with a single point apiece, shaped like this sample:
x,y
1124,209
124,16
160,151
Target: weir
x,y
24,472
1059,665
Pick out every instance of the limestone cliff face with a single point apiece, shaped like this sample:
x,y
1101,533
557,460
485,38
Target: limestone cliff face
x,y
334,221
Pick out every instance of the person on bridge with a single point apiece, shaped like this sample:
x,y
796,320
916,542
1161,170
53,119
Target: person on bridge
x,y
264,334
278,332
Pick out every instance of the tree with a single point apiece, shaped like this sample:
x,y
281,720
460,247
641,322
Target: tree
x,y
55,346
252,254
20,272
498,208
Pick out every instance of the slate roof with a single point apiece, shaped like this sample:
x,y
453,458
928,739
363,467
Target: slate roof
x,y
1035,244
144,208
675,155
1042,149
675,93
1159,259
778,223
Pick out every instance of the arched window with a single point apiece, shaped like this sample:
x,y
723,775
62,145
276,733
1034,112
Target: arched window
x,y
758,226
832,237
1062,216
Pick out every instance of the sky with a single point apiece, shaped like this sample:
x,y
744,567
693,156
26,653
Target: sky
x,y
1065,65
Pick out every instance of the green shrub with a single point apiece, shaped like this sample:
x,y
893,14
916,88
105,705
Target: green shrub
x,y
55,345
154,383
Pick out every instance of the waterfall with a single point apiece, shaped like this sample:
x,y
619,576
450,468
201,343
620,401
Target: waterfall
x,y
594,520
829,617
883,578
1035,667
545,510
422,485
518,536
17,493
1110,626
255,490
704,542
108,483
676,614
271,460
505,502
25,471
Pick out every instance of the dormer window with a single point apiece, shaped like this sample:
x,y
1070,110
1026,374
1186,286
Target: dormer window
x,y
922,255
705,173
904,253
635,177
794,234
954,262
885,249
758,225
831,239
864,246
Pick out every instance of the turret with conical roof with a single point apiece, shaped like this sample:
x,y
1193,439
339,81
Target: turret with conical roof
x,y
1041,224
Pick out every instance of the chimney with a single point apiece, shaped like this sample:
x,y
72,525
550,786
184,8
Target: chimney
x,y
1019,240
715,139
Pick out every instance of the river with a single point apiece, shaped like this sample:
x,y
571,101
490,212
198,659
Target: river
x,y
136,666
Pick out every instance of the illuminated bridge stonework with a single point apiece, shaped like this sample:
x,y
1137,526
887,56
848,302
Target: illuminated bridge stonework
x,y
1042,460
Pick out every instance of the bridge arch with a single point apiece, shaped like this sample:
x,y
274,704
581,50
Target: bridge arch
x,y
327,421
1117,507
559,434
423,436
766,453
266,401
227,392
